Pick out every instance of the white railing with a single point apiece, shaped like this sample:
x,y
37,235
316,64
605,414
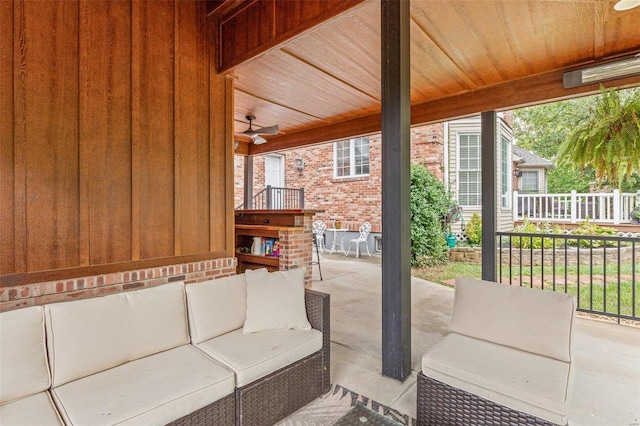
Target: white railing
x,y
606,207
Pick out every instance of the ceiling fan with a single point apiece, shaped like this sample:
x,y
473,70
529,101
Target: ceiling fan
x,y
254,134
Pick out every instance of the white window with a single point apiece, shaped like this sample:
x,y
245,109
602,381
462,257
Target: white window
x,y
505,171
469,171
351,157
529,180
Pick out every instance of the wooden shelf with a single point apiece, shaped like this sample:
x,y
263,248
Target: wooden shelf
x,y
262,260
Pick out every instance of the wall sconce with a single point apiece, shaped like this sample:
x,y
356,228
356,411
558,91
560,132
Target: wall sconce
x,y
517,172
299,164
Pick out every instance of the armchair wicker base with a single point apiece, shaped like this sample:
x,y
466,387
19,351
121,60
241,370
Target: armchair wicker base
x,y
442,405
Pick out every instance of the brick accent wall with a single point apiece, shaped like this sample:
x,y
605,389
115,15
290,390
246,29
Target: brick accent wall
x,y
349,200
98,285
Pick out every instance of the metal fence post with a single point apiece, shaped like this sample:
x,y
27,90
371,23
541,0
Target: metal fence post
x,y
269,198
301,202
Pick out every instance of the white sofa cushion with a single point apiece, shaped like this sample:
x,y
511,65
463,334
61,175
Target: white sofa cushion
x,y
533,320
216,307
275,301
153,390
33,410
23,355
523,381
92,335
252,356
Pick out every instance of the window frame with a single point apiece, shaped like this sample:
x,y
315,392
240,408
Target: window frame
x,y
477,170
353,166
505,172
537,180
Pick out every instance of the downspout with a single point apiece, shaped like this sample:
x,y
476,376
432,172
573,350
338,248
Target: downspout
x,y
445,159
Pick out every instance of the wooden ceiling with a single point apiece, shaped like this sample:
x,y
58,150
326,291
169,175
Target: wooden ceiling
x,y
466,57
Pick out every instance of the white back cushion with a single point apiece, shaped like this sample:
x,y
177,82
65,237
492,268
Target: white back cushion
x,y
532,320
89,336
23,357
275,301
216,307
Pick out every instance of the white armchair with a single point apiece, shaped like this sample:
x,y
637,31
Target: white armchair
x,y
318,229
365,229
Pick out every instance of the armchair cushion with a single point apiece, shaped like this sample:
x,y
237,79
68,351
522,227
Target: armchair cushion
x,y
275,301
532,320
517,379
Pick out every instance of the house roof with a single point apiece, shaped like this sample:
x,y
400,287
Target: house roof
x,y
466,57
526,158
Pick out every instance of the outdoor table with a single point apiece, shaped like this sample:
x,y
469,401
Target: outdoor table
x,y
336,232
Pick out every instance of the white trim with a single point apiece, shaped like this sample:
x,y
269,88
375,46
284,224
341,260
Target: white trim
x,y
458,157
352,163
280,158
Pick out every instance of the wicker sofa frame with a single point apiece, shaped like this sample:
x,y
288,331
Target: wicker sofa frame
x,y
272,398
221,412
441,405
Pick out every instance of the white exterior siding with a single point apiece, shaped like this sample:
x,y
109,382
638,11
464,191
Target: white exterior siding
x,y
468,126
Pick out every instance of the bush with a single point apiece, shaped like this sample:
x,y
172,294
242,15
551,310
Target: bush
x,y
430,202
528,227
592,229
474,230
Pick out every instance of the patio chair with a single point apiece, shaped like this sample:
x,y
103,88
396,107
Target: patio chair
x,y
318,228
365,228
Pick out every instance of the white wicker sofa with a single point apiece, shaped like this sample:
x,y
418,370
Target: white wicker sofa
x,y
171,354
508,359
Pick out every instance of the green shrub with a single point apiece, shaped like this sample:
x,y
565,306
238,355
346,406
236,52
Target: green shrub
x,y
592,229
429,204
528,227
474,230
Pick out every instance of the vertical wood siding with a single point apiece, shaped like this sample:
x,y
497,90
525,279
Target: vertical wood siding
x,y
110,147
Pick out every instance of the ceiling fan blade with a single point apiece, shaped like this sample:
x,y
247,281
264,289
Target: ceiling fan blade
x,y
270,130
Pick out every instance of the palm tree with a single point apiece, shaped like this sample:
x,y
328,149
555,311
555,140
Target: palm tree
x,y
608,138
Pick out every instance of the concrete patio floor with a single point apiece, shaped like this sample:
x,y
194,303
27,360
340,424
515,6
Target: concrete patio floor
x,y
607,381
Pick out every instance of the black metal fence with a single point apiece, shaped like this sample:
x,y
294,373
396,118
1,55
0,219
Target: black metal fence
x,y
274,198
601,271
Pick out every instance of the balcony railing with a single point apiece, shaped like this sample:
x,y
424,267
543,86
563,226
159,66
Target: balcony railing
x,y
273,198
613,207
602,272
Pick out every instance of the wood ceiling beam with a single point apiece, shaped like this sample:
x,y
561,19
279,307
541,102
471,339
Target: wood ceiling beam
x,y
541,88
255,27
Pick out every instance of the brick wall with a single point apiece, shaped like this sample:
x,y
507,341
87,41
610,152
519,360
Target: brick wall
x,y
350,200
98,285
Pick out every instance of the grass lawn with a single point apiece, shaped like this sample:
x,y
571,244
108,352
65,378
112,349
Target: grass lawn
x,y
592,291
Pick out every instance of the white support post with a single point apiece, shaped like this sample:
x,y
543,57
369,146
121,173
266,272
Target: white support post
x,y
514,206
617,211
574,206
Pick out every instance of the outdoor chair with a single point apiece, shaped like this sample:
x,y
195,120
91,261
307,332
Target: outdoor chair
x,y
318,228
507,361
365,228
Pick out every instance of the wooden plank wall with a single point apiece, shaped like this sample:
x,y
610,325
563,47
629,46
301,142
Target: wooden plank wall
x,y
112,158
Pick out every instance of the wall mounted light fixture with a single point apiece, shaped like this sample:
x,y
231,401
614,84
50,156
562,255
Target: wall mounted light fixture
x,y
299,164
624,68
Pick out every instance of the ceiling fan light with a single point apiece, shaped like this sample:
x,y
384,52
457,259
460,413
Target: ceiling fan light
x,y
257,139
626,4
